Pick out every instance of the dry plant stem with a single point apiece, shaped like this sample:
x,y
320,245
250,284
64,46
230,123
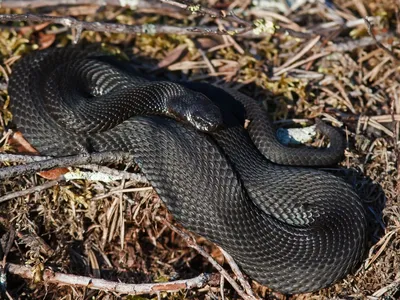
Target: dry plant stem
x,y
191,243
31,190
18,158
49,3
235,268
215,13
111,286
351,45
113,172
221,287
378,43
80,159
79,26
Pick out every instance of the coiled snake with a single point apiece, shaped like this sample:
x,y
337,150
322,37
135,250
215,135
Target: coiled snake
x,y
294,229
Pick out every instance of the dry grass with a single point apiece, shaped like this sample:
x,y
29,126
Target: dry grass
x,y
120,237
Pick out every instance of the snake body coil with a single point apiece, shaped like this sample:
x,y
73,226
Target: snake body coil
x,y
293,229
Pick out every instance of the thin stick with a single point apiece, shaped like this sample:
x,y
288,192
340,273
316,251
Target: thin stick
x,y
215,13
31,190
300,54
235,268
111,286
191,243
19,158
351,45
50,3
221,287
79,26
117,174
80,159
378,43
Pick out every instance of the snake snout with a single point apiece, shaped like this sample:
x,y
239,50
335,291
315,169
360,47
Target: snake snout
x,y
197,110
206,119
204,114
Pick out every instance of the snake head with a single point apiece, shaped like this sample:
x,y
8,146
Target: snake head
x,y
197,110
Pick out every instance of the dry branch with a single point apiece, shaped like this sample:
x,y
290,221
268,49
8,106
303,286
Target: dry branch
x,y
141,4
34,162
246,294
31,190
378,43
121,175
214,13
110,27
19,158
258,28
118,287
76,160
150,29
136,5
235,268
26,159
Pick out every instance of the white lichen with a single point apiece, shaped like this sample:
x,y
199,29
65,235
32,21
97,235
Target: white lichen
x,y
132,4
149,29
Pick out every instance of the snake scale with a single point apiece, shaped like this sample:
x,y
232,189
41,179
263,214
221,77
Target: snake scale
x,y
290,227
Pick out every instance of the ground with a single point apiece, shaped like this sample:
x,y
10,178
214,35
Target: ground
x,y
336,72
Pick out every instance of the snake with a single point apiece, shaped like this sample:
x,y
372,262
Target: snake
x,y
288,224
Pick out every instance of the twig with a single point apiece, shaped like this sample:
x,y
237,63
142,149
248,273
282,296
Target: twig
x,y
235,268
50,3
378,43
214,13
18,158
351,45
111,286
80,159
34,241
297,56
150,29
257,28
108,175
121,191
191,243
116,174
3,273
31,190
35,162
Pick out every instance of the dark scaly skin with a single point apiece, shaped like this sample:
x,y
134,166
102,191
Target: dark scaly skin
x,y
292,229
263,136
94,97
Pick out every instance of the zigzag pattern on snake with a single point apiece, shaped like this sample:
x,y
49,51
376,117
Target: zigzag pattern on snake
x,y
294,229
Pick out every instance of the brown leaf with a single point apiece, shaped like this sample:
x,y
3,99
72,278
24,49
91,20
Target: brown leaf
x,y
33,28
21,144
172,56
46,40
54,173
207,42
